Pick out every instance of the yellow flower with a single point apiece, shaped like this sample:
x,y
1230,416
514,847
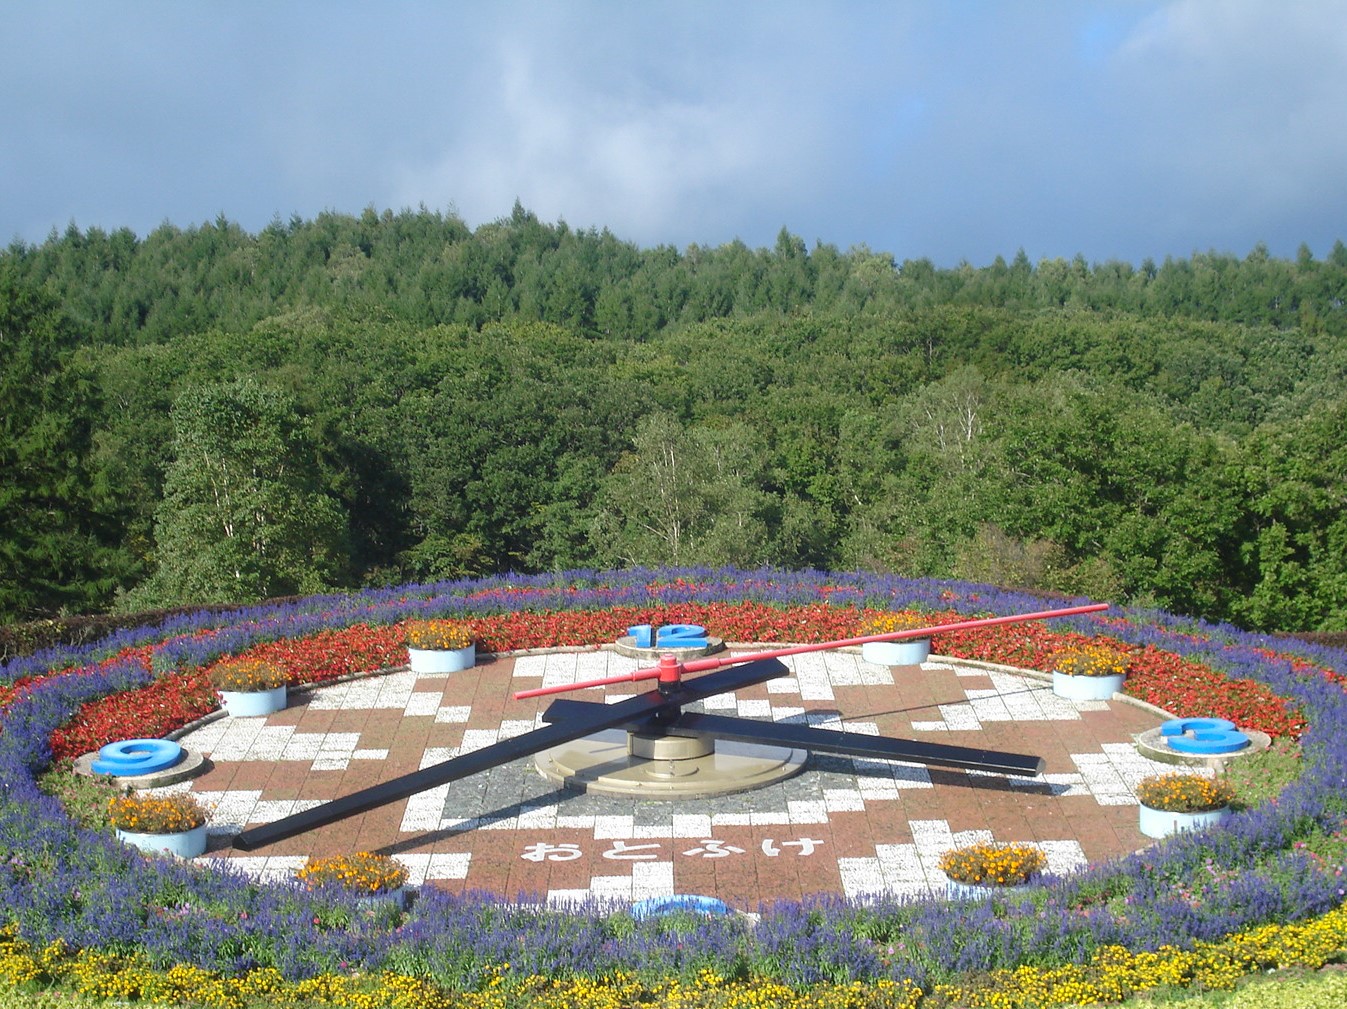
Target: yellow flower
x,y
246,674
991,864
1178,792
441,634
899,620
1095,658
365,872
150,814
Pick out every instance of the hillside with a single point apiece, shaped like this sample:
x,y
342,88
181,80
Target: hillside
x,y
208,415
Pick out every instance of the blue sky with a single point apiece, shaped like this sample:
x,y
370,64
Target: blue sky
x,y
952,130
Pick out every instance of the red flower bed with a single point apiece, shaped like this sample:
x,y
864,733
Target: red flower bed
x,y
153,711
332,654
1197,691
172,701
747,621
1188,689
1184,687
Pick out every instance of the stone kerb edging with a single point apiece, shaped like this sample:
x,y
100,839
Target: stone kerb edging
x,y
1034,674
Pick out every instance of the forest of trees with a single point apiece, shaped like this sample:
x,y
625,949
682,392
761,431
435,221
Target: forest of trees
x,y
206,415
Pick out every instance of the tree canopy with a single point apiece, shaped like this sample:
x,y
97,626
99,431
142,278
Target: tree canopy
x,y
398,396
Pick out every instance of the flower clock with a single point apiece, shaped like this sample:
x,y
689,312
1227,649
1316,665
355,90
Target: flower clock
x,y
67,888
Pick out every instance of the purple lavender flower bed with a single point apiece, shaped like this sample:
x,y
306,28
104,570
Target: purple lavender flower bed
x,y
60,881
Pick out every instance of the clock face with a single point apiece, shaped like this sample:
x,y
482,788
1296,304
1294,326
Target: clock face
x,y
844,825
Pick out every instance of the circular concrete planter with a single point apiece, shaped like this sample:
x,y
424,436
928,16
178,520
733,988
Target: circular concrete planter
x,y
182,844
442,660
399,898
955,890
253,703
897,653
1086,688
1163,822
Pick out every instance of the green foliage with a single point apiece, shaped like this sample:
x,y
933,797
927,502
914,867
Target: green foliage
x,y
52,516
13,998
455,401
686,496
243,516
1325,989
1261,777
84,798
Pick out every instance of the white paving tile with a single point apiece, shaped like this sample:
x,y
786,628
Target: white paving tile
x,y
804,811
648,831
811,672
422,703
1064,857
691,825
843,800
529,666
960,717
443,865
538,817
608,827
561,669
425,810
652,879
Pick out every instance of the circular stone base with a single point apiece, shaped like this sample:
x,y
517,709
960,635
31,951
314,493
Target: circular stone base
x,y
1151,744
191,764
626,646
606,764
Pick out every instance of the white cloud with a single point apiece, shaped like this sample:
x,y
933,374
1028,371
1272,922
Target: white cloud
x,y
926,129
569,149
1247,101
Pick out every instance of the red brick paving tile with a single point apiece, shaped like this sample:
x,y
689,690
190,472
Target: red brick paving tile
x,y
917,803
220,777
1009,826
427,683
455,887
847,835
1131,718
289,716
694,875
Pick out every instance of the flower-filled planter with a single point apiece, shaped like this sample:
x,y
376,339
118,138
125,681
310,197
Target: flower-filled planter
x,y
1089,672
439,646
160,825
988,868
908,652
1179,801
372,877
249,687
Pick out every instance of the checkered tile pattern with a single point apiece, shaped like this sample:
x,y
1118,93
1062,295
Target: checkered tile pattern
x,y
855,826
